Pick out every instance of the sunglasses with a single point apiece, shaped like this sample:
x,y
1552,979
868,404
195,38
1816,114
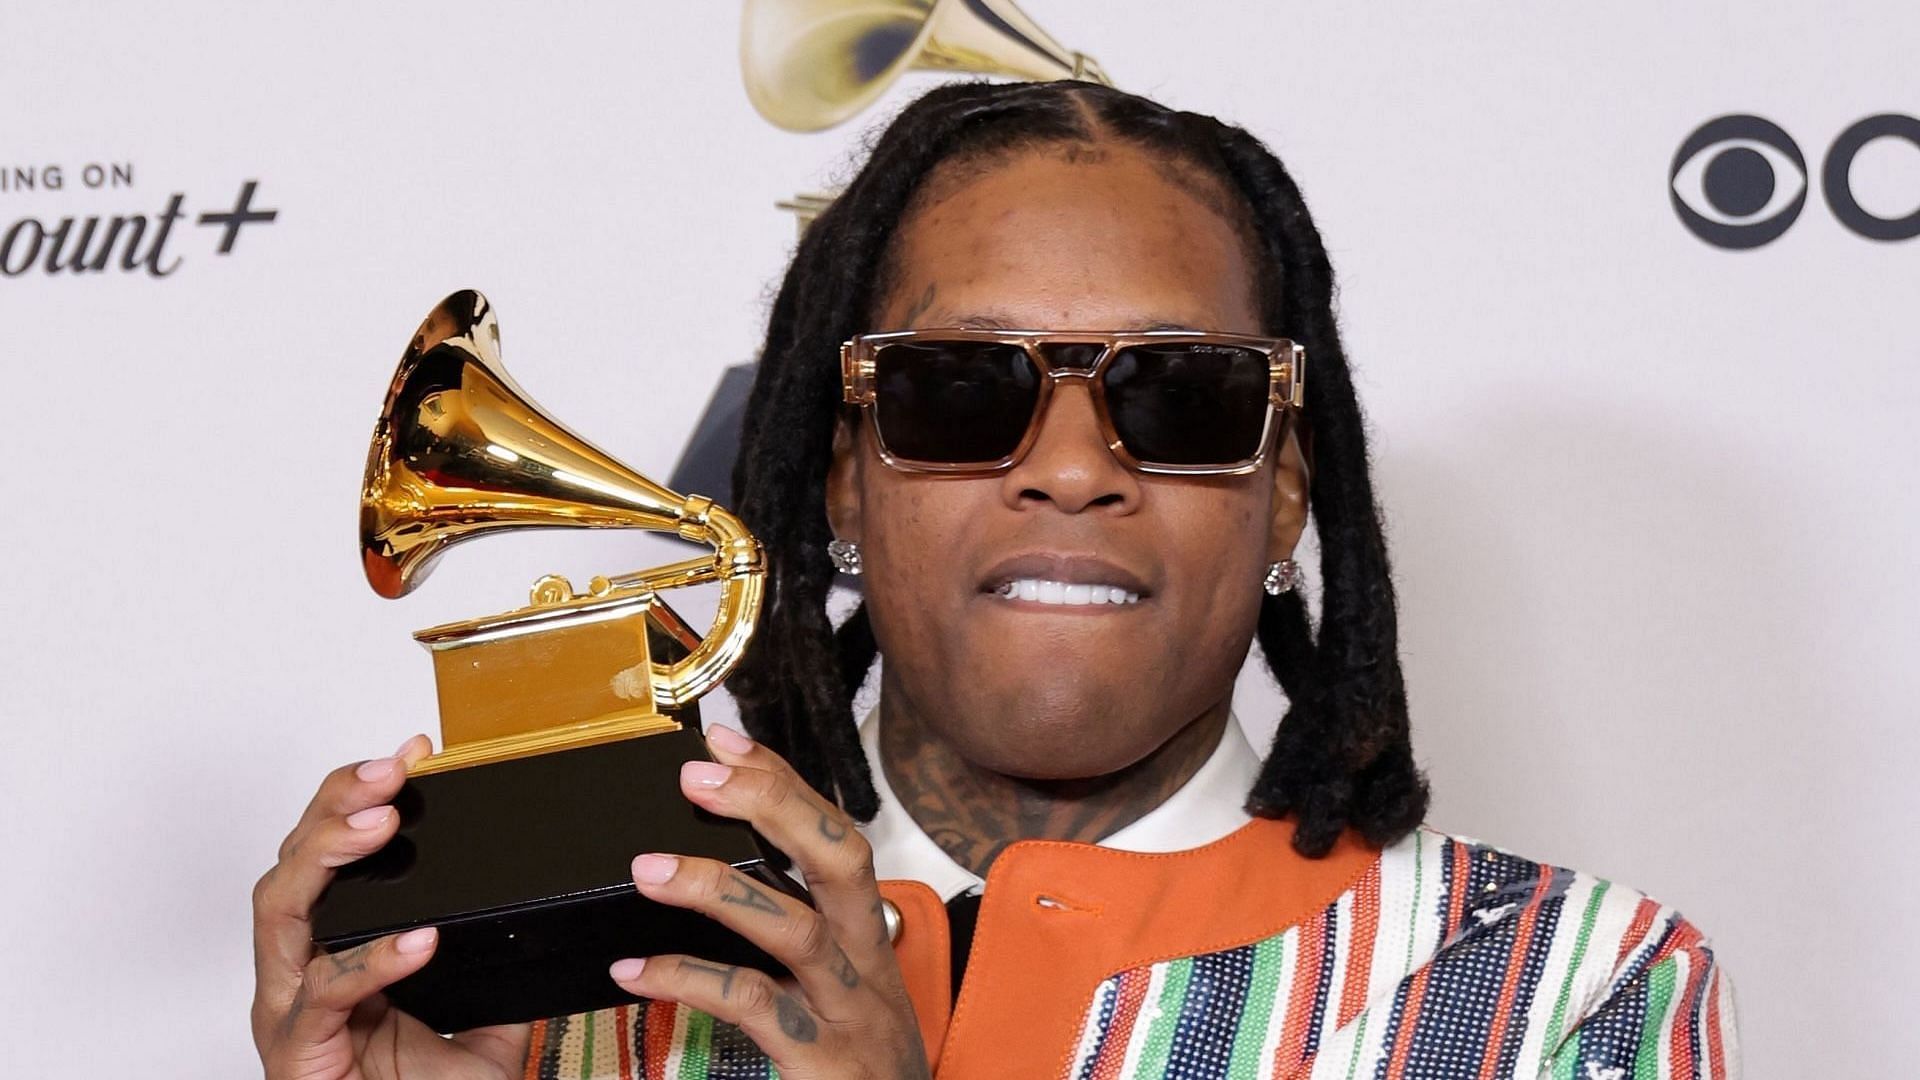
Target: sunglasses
x,y
1167,401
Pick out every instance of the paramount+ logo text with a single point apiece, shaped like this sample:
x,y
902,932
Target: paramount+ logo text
x,y
132,242
1740,181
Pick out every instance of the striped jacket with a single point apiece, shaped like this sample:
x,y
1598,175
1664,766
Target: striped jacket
x,y
1436,957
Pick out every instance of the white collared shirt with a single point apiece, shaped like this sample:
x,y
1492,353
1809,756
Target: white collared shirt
x,y
1207,807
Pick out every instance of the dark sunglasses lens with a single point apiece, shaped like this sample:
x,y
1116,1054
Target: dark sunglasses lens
x,y
1188,404
953,402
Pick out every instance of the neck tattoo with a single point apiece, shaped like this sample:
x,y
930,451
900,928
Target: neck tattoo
x,y
974,813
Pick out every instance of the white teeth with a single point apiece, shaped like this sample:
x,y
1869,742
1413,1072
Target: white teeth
x,y
1063,594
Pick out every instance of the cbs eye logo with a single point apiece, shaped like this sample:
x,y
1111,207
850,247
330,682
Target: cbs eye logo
x,y
1740,181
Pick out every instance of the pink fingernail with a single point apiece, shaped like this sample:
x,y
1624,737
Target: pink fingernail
x,y
414,942
378,769
705,774
402,752
654,869
726,738
371,818
626,970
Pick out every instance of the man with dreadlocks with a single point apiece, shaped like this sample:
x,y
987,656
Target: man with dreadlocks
x,y
1059,376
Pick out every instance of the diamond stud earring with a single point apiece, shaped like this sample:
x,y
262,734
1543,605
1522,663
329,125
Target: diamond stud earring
x,y
845,555
1282,577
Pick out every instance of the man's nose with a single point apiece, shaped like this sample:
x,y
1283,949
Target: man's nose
x,y
1070,466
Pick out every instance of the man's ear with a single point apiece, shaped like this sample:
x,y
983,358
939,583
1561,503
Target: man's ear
x,y
843,482
1292,483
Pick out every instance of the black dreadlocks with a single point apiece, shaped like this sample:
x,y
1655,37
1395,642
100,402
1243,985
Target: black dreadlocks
x,y
1343,753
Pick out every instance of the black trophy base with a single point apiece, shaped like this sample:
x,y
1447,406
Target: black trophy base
x,y
524,866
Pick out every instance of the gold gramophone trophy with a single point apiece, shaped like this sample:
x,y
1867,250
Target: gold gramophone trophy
x,y
563,723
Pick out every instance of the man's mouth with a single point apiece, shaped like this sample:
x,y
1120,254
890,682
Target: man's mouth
x,y
1062,580
1064,594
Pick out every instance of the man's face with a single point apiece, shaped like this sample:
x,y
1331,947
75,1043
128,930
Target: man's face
x,y
1051,241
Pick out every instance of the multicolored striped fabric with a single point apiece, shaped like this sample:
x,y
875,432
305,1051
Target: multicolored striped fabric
x,y
649,1040
1448,959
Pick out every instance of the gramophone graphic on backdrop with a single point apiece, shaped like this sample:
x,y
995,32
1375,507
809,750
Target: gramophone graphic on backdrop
x,y
564,723
811,64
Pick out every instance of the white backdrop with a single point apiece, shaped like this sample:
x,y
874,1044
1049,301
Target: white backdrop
x,y
1650,499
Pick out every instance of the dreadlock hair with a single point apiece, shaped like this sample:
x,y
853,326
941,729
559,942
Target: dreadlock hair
x,y
1342,755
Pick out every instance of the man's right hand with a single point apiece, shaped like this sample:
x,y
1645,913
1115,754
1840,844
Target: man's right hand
x,y
321,1016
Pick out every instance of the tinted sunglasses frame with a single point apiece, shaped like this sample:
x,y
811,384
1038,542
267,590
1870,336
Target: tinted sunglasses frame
x,y
1286,374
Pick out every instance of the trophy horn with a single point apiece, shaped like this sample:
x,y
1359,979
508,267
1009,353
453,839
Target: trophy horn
x,y
461,451
810,64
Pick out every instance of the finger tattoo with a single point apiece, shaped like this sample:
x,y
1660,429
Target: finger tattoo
x,y
913,1065
719,971
843,970
833,831
794,1019
748,895
294,1008
351,961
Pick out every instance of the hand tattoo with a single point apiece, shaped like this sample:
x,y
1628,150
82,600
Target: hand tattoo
x,y
794,1019
294,1009
724,974
350,961
913,1064
833,831
843,969
748,895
